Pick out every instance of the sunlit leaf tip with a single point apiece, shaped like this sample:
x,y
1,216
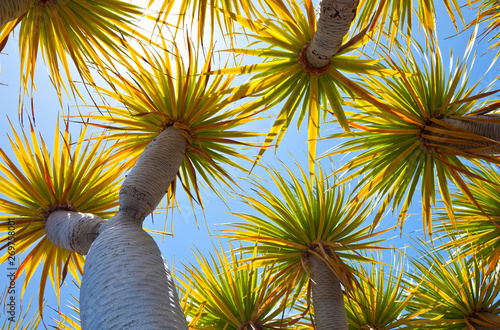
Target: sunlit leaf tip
x,y
35,182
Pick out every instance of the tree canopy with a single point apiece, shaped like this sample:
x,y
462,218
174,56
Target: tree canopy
x,y
379,168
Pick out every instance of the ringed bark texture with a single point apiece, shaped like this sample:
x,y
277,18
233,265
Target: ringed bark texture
x,y
327,297
485,129
126,284
156,168
483,327
334,21
492,316
72,231
12,9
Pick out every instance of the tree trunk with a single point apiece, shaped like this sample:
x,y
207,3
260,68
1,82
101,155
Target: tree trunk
x,y
492,316
72,230
483,327
333,24
488,130
125,283
156,168
327,296
12,9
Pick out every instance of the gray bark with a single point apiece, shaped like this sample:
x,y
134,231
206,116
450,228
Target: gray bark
x,y
333,24
125,283
72,231
483,327
492,316
12,9
156,168
327,297
488,130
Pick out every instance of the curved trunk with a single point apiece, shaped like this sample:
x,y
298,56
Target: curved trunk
x,y
72,231
327,296
494,317
156,168
125,283
12,9
490,130
334,21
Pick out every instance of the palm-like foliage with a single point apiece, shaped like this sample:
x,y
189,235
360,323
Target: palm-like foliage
x,y
281,34
191,11
75,178
70,321
398,16
158,96
399,127
21,321
489,11
227,293
476,230
453,294
402,138
310,217
381,302
78,31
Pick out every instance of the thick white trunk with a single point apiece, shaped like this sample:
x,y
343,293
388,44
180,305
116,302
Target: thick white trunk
x,y
72,231
327,297
334,21
12,9
156,168
485,129
126,284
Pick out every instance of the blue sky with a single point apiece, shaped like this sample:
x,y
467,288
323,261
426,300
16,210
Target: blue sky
x,y
186,233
